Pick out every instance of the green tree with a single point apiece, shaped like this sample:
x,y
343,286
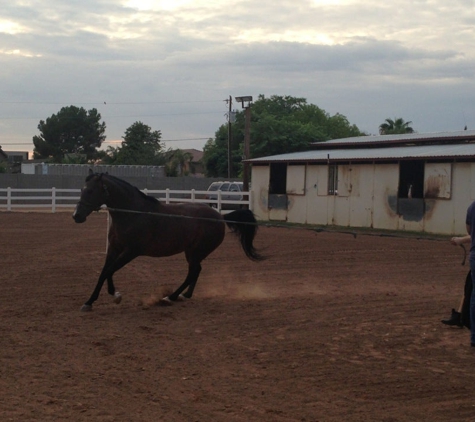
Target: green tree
x,y
215,155
396,126
72,130
141,146
279,124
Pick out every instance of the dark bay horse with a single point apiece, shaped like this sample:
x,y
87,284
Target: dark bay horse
x,y
142,225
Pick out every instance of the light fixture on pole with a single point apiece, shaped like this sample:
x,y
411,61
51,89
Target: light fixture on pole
x,y
246,105
246,99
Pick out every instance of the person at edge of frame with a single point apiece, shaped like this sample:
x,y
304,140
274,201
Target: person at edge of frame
x,y
470,224
461,316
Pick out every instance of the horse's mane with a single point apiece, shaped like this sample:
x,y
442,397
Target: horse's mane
x,y
124,184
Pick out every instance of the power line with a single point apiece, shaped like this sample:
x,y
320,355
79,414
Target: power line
x,y
112,141
111,102
163,140
121,116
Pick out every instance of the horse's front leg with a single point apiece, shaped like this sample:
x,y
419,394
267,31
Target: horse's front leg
x,y
95,294
112,291
113,264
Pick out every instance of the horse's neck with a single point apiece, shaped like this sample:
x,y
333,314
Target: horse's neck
x,y
124,197
118,197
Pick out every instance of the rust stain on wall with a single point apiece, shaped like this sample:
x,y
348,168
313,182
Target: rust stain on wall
x,y
433,187
429,209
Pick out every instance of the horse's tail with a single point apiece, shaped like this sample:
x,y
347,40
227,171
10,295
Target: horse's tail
x,y
244,224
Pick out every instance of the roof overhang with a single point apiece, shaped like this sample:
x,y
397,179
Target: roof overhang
x,y
418,152
401,139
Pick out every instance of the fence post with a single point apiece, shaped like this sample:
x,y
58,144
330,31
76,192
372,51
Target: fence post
x,y
109,222
9,198
53,200
167,196
219,200
192,195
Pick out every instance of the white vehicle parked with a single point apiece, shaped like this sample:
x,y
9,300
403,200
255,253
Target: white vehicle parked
x,y
231,191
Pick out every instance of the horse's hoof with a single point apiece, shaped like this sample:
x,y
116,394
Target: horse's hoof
x,y
165,301
117,298
86,308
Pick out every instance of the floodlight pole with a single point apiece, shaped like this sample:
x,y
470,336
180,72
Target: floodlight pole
x,y
230,134
247,139
247,149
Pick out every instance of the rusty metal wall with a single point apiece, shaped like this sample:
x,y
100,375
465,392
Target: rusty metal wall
x,y
368,197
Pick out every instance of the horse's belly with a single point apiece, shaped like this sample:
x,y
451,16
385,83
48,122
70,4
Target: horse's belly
x,y
197,241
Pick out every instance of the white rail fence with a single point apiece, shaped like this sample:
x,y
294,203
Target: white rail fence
x,y
53,199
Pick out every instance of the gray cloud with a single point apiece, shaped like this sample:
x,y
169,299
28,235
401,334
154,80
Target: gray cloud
x,y
172,69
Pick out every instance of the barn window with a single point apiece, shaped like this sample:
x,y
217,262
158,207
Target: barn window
x,y
410,201
278,186
278,178
333,179
411,179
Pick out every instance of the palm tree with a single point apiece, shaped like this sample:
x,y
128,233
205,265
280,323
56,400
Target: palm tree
x,y
178,162
398,125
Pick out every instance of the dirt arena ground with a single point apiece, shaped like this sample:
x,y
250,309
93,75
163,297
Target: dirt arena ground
x,y
329,328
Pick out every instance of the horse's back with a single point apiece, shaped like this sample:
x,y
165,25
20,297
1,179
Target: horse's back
x,y
197,213
200,227
196,229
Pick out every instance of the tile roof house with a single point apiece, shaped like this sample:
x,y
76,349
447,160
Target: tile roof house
x,y
195,166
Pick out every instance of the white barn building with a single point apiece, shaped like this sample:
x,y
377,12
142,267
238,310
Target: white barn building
x,y
419,182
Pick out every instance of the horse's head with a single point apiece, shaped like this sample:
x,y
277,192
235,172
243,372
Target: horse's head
x,y
93,195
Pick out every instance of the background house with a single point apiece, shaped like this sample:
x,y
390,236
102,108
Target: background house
x,y
3,158
15,158
194,166
413,182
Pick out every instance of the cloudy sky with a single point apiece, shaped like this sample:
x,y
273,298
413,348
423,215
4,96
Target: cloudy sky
x,y
171,63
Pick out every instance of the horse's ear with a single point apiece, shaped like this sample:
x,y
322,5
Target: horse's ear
x,y
90,172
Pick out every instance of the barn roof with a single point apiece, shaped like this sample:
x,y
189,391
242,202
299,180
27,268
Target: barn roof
x,y
406,138
447,146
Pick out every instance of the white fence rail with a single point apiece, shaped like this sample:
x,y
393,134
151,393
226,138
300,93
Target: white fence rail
x,y
11,199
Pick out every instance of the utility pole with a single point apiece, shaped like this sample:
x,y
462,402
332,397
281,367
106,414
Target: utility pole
x,y
230,137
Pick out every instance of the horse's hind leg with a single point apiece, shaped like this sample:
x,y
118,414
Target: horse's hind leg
x,y
192,284
194,270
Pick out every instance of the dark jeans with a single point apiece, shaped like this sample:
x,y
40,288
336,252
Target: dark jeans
x,y
466,300
472,302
